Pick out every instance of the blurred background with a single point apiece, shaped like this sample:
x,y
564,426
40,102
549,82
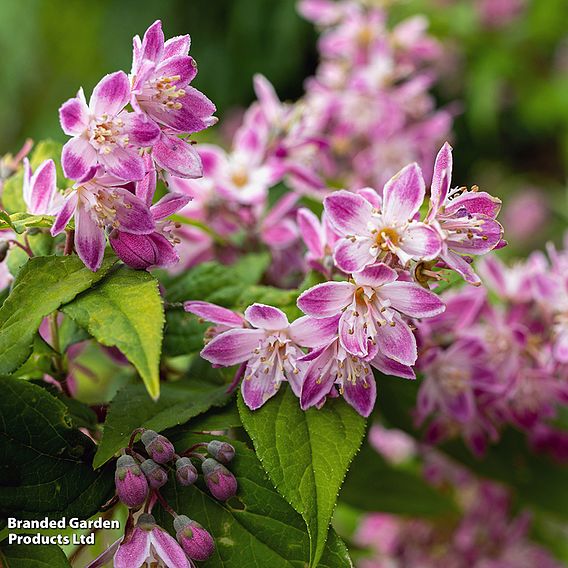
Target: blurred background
x,y
505,71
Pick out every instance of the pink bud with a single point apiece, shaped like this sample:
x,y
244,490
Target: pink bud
x,y
159,448
156,476
196,542
220,481
186,473
131,485
221,451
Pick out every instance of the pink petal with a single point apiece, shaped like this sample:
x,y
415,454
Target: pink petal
x,y
132,214
232,347
64,216
375,276
177,157
135,551
348,212
461,266
371,196
352,335
311,332
362,394
146,187
153,42
124,163
110,95
421,242
412,300
178,45
311,232
74,116
319,378
79,159
353,256
397,342
141,130
441,179
169,204
280,235
494,273
403,194
461,405
475,203
42,188
144,251
267,97
390,367
168,549
195,114
485,238
214,314
89,239
327,299
183,66
266,317
256,390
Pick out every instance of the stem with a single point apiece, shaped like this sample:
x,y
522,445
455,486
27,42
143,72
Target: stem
x,y
133,436
57,358
69,242
165,504
25,248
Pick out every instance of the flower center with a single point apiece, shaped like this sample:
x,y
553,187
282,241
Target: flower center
x,y
387,238
106,132
167,92
239,177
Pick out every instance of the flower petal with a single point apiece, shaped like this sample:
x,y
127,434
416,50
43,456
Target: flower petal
x,y
89,239
461,266
182,66
143,251
146,187
110,95
390,367
475,203
178,45
74,116
361,394
403,194
142,131
256,391
484,238
353,256
42,188
348,212
311,232
177,157
124,163
397,342
132,214
153,43
375,276
232,347
327,299
215,314
194,115
168,549
79,159
312,332
319,378
135,551
441,179
421,242
353,335
266,317
412,300
64,216
169,204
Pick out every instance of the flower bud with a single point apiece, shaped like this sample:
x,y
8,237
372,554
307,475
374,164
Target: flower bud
x,y
220,481
4,248
131,485
186,473
156,476
159,448
221,451
196,542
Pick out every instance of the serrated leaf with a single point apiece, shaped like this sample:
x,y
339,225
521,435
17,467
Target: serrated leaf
x,y
42,285
46,463
257,528
183,333
306,455
132,408
36,556
126,311
20,222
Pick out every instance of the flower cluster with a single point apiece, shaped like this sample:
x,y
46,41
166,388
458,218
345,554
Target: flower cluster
x,y
139,479
386,252
115,154
486,535
505,361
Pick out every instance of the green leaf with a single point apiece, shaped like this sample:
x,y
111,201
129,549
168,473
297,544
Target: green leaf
x,y
183,333
42,244
46,463
132,408
39,363
372,484
42,285
36,556
126,311
12,193
257,528
20,222
283,299
306,455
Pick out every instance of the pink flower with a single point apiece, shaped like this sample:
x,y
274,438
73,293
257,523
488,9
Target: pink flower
x,y
98,205
465,220
104,134
319,238
368,234
40,189
371,307
149,543
270,348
